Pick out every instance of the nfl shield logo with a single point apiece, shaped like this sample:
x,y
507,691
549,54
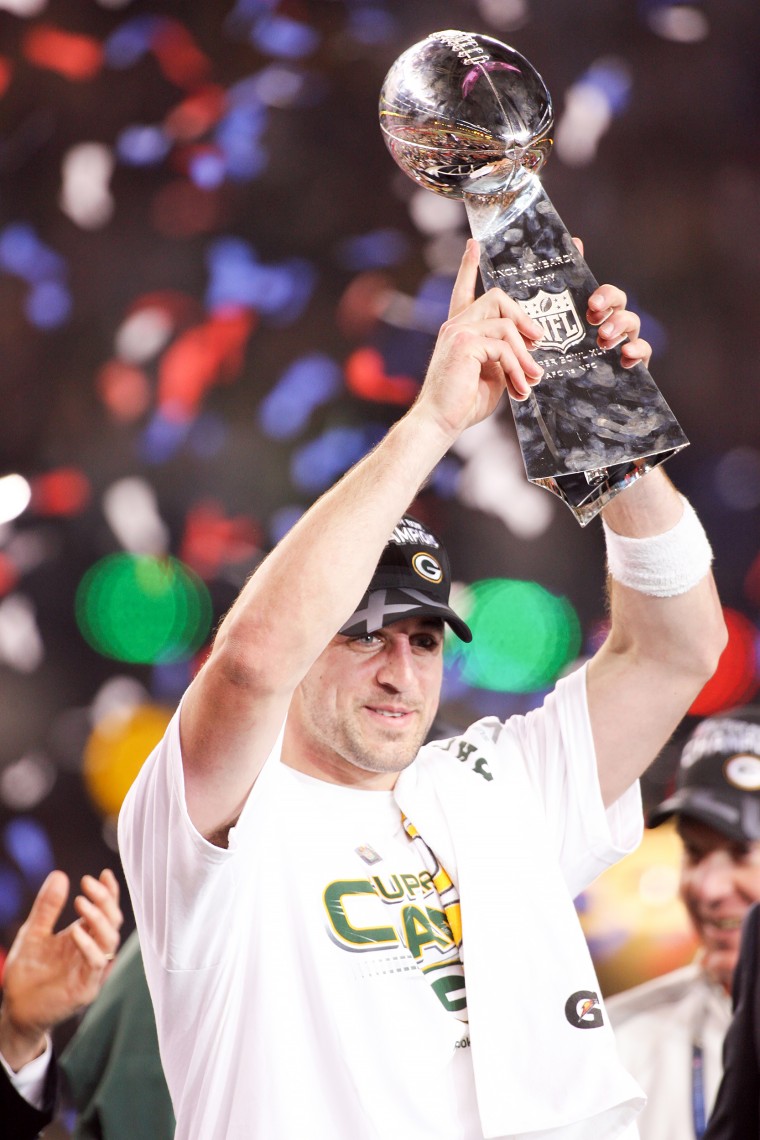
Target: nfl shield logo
x,y
557,315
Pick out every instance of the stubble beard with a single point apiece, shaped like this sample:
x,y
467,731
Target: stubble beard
x,y
346,738
381,756
383,759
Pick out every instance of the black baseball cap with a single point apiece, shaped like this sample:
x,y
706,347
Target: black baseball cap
x,y
718,778
412,579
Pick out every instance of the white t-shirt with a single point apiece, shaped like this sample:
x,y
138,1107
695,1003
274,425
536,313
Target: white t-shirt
x,y
307,979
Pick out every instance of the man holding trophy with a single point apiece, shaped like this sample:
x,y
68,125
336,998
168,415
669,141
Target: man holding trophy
x,y
350,932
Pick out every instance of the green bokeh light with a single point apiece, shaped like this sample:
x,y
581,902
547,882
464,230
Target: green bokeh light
x,y
143,610
523,636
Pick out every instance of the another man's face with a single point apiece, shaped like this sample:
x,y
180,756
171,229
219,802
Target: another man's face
x,y
720,880
364,709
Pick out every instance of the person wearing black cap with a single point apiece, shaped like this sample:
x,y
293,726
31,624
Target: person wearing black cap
x,y
349,932
670,1031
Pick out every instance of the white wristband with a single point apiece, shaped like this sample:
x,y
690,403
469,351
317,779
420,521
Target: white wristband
x,y
665,564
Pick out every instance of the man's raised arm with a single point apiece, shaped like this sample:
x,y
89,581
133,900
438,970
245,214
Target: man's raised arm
x,y
310,584
663,646
667,629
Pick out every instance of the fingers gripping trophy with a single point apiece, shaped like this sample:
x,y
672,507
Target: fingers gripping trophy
x,y
469,117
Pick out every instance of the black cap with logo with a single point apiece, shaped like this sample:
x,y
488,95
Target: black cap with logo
x,y
412,579
718,779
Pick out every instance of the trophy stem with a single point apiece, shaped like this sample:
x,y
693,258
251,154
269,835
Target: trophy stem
x,y
591,427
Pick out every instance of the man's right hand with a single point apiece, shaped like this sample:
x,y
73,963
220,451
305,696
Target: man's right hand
x,y
481,350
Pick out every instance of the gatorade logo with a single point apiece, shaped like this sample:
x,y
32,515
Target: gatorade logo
x,y
582,1010
427,566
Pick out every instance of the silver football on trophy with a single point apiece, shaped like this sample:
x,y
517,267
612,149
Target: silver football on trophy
x,y
463,113
468,116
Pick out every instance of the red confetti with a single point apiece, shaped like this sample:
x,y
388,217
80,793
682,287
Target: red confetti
x,y
211,539
206,355
124,389
366,377
180,59
72,56
65,491
195,115
8,575
6,74
363,303
736,680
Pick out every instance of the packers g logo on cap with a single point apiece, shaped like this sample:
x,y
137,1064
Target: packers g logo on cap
x,y
743,771
427,566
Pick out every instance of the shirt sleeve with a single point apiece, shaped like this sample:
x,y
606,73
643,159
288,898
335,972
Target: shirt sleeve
x,y
183,888
558,747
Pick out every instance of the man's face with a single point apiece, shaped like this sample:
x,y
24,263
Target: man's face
x,y
363,710
720,880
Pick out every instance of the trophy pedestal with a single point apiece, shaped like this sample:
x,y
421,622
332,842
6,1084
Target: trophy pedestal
x,y
591,427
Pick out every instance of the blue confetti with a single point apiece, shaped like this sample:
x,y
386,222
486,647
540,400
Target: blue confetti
x,y
48,305
23,254
379,249
282,521
283,37
309,382
11,895
208,435
612,78
130,42
27,842
170,679
319,463
245,12
446,476
207,170
237,277
238,138
142,145
372,25
162,438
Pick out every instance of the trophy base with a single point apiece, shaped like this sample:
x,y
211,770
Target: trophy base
x,y
592,426
586,492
